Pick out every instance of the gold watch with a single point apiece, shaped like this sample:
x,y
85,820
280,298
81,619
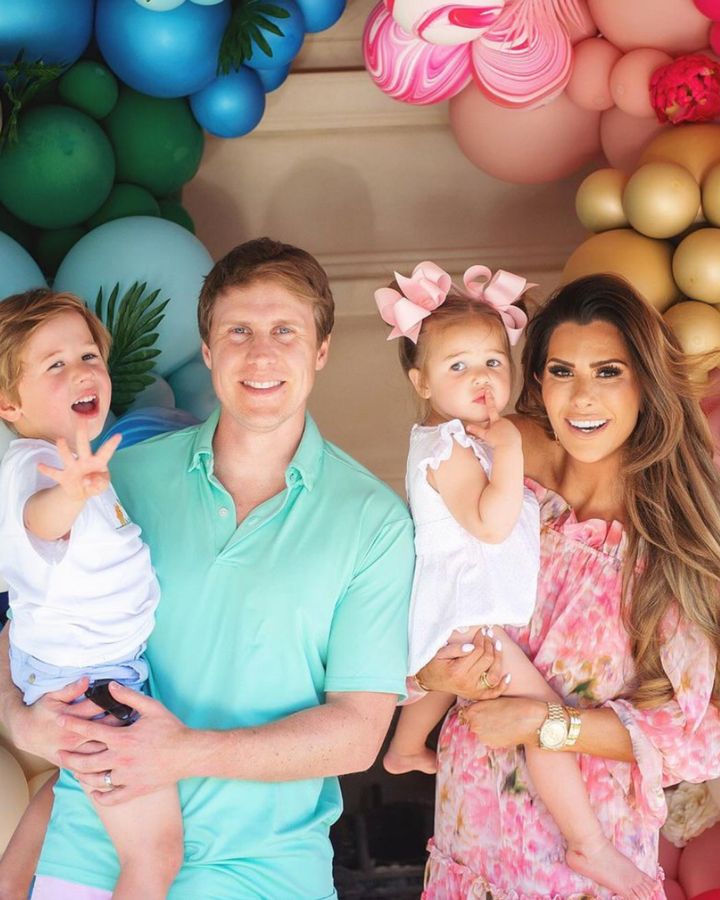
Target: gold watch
x,y
553,733
574,727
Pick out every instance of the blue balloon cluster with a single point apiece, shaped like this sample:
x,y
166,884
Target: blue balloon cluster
x,y
142,424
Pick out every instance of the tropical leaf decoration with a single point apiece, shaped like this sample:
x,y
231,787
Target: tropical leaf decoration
x,y
22,81
245,29
131,322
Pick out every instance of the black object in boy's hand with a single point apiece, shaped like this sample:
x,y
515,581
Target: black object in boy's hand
x,y
100,695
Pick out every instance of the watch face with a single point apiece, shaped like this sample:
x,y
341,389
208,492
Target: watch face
x,y
553,734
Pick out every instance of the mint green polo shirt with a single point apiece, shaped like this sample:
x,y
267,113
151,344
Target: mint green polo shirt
x,y
308,595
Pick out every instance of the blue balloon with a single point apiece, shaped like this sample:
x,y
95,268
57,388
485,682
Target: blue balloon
x,y
231,105
320,14
56,31
18,270
193,389
168,54
285,48
273,78
162,254
142,424
158,394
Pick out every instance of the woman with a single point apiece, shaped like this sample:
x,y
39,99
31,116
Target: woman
x,y
627,623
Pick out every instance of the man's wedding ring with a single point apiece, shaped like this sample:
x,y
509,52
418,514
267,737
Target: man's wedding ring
x,y
107,779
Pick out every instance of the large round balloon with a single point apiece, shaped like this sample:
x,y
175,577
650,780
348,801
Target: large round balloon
x,y
141,424
231,105
59,171
193,389
624,137
409,69
18,270
284,48
646,263
661,199
697,328
669,25
599,200
167,54
524,146
696,265
697,147
143,249
56,32
89,87
630,80
158,144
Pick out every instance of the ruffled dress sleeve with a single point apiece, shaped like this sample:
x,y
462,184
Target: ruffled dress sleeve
x,y
679,740
435,446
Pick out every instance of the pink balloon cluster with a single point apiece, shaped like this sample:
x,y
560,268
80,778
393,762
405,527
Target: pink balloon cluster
x,y
537,87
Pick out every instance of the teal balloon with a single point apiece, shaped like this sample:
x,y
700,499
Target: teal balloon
x,y
90,87
56,31
18,270
125,200
157,143
53,245
285,48
151,250
192,387
60,170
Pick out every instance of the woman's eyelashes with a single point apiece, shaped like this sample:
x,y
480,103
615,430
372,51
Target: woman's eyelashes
x,y
558,371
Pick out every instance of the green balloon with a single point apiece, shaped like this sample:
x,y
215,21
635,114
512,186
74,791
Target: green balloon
x,y
53,245
19,231
158,144
176,212
125,200
90,87
61,169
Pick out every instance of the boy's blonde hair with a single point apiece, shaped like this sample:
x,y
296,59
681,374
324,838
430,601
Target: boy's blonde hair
x,y
20,317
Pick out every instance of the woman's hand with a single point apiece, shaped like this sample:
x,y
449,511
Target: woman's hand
x,y
474,675
505,722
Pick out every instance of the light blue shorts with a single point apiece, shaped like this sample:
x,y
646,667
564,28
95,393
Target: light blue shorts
x,y
36,678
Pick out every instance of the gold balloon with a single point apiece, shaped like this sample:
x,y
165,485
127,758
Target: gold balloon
x,y
711,195
646,263
697,328
14,793
697,147
696,265
661,199
598,202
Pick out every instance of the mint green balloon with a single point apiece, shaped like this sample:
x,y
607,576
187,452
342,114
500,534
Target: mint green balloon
x,y
125,200
60,170
90,87
157,142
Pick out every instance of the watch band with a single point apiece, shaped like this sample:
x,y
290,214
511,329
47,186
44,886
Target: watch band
x,y
556,713
574,727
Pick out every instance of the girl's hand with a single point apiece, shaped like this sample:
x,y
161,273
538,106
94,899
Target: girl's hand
x,y
505,722
474,675
498,432
84,473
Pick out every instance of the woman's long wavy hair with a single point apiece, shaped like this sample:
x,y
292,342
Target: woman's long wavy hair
x,y
670,484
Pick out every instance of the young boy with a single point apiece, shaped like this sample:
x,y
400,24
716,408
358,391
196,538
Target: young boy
x,y
82,590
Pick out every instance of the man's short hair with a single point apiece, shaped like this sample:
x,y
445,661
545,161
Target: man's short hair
x,y
20,317
266,260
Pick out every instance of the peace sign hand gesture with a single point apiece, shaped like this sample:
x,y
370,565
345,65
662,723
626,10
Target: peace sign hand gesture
x,y
84,474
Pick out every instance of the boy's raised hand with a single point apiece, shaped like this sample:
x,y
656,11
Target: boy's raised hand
x,y
84,474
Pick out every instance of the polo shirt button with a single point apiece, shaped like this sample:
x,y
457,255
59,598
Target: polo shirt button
x,y
223,511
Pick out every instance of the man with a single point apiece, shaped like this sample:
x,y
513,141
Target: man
x,y
279,647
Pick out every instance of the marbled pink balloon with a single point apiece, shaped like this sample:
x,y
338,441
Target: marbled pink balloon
x,y
408,69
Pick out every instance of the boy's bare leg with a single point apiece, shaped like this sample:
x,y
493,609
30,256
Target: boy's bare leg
x,y
19,861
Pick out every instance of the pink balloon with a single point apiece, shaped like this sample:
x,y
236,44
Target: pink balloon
x,y
709,8
408,69
524,146
589,85
585,27
676,26
630,80
624,137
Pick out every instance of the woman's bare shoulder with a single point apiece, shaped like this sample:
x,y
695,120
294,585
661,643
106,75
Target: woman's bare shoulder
x,y
539,450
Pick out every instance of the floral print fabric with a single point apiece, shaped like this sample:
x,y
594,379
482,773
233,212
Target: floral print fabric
x,y
494,838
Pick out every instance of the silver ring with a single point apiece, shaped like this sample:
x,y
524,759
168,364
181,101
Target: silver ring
x,y
107,779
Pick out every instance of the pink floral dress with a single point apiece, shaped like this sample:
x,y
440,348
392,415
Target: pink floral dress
x,y
494,838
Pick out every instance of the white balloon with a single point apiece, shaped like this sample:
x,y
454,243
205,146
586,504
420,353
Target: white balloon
x,y
160,5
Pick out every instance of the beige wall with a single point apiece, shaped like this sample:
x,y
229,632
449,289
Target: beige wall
x,y
369,185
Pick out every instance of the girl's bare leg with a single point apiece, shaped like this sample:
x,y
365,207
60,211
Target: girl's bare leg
x,y
407,750
19,861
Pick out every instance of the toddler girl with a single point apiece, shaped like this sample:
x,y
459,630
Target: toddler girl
x,y
82,590
477,534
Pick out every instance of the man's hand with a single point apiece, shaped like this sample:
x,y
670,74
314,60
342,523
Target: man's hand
x,y
141,758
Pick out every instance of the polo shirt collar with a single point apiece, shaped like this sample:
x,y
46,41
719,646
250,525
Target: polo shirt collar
x,y
306,462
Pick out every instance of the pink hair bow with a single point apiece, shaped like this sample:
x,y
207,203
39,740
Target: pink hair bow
x,y
500,291
419,295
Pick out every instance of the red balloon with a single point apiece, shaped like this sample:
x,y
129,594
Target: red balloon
x,y
524,146
709,8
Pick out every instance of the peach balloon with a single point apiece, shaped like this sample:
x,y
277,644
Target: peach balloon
x,y
697,147
598,202
14,793
589,85
644,262
625,137
675,26
630,80
696,265
524,146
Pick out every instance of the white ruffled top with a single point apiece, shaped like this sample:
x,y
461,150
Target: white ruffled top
x,y
461,581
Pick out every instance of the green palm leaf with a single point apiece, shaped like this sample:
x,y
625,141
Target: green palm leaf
x,y
247,23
